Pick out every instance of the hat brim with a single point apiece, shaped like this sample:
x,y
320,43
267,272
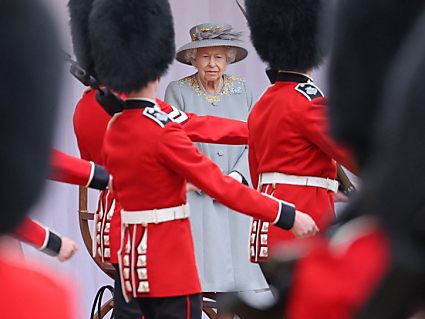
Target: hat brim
x,y
241,52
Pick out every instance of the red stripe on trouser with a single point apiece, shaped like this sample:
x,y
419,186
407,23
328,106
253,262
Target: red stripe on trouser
x,y
188,307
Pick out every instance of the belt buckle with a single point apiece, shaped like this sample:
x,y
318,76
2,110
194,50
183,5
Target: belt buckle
x,y
155,216
274,179
185,211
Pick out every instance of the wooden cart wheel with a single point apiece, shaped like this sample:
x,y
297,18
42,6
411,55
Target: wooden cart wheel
x,y
84,216
104,310
210,307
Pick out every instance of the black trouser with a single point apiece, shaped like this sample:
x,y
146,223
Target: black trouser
x,y
182,307
122,309
265,273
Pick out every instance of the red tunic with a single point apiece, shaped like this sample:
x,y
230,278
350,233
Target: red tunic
x,y
288,133
29,292
150,158
90,122
338,277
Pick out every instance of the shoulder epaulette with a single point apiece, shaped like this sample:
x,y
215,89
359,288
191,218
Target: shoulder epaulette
x,y
309,90
176,115
158,116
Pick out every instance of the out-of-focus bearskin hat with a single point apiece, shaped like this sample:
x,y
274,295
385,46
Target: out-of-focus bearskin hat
x,y
399,144
79,11
284,32
394,181
132,42
368,34
31,73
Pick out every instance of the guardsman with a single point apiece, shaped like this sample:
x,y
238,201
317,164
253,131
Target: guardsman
x,y
378,252
30,64
291,155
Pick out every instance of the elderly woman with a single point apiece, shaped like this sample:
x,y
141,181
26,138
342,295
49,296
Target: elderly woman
x,y
221,237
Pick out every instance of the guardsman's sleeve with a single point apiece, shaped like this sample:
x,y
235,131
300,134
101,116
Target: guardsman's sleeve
x,y
315,125
177,152
217,130
72,170
347,270
253,165
208,129
39,236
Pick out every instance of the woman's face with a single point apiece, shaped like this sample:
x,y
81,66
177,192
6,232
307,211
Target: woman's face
x,y
211,63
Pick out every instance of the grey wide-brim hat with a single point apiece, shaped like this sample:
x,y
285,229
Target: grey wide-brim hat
x,y
212,35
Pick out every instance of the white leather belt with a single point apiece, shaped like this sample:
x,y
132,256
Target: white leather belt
x,y
155,216
280,178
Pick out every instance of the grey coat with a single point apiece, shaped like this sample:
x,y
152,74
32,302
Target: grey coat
x,y
220,235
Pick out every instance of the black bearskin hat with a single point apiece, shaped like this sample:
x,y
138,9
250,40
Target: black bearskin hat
x,y
132,42
79,11
395,179
368,34
284,32
31,72
399,148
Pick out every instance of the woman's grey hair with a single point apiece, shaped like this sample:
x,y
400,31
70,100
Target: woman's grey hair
x,y
190,55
